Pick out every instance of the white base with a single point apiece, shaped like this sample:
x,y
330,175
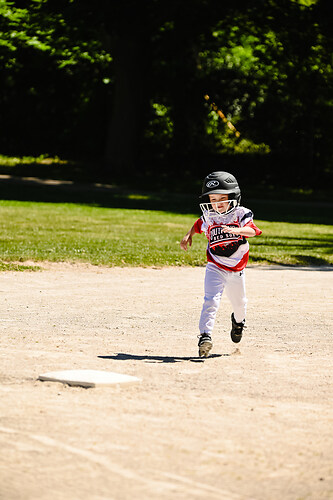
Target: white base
x,y
88,378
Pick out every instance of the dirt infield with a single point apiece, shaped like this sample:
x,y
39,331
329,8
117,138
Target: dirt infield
x,y
250,422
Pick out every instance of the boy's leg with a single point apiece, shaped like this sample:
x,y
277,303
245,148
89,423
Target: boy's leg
x,y
215,280
236,292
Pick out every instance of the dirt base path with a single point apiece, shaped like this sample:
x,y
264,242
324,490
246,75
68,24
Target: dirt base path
x,y
253,421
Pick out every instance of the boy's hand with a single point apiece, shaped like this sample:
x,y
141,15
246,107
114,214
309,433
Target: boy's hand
x,y
187,240
228,229
246,231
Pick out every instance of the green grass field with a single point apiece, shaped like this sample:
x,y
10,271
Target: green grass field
x,y
58,232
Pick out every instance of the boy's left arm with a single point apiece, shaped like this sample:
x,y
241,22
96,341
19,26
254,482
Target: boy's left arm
x,y
248,230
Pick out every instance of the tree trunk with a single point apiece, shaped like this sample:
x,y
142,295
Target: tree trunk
x,y
128,102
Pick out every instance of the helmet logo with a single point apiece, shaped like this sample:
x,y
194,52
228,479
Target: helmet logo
x,y
211,184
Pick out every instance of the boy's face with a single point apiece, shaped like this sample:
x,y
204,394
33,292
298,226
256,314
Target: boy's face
x,y
219,202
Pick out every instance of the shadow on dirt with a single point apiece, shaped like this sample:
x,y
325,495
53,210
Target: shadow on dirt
x,y
159,359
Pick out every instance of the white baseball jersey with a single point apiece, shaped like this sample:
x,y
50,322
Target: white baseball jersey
x,y
225,250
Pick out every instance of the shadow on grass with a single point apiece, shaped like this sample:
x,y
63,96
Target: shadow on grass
x,y
297,212
310,263
108,196
297,249
159,359
102,195
309,260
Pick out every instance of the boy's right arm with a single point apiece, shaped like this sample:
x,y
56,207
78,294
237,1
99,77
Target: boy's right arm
x,y
187,240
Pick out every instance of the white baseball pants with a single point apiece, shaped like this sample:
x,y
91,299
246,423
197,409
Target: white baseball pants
x,y
216,280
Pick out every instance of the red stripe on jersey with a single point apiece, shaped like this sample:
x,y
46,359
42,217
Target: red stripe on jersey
x,y
252,224
197,226
239,267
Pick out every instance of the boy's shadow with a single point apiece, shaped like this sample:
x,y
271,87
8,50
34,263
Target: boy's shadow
x,y
120,356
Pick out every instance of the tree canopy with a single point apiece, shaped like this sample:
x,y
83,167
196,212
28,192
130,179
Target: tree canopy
x,y
125,83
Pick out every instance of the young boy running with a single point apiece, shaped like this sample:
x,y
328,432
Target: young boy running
x,y
227,226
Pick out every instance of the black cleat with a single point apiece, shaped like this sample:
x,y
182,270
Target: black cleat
x,y
236,329
205,344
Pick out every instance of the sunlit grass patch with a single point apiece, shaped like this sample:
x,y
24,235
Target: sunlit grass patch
x,y
60,232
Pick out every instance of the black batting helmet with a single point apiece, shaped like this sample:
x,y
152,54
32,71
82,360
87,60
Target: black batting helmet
x,y
221,183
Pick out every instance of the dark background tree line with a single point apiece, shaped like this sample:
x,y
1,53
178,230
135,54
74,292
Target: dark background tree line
x,y
122,85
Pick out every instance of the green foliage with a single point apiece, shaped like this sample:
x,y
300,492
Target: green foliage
x,y
45,30
226,141
271,80
267,64
52,68
160,128
12,161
